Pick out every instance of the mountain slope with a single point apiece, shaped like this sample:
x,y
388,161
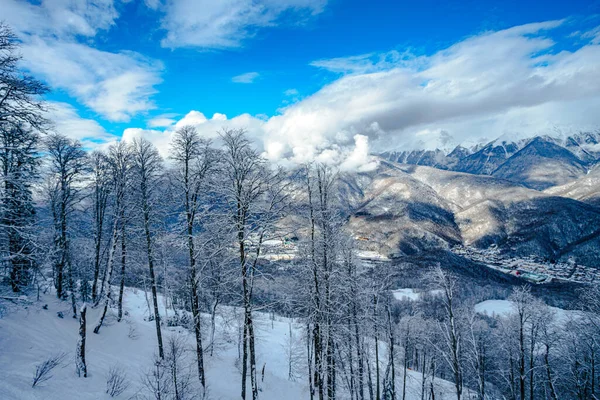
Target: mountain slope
x,y
31,333
520,220
540,165
488,158
396,212
585,189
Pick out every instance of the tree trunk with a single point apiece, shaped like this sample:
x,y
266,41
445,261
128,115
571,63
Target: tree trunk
x,y
123,263
109,268
253,381
80,365
213,316
532,360
311,388
549,373
377,391
196,312
359,355
391,351
99,210
522,360
245,356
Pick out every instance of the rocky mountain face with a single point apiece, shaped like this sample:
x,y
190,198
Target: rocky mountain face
x,y
539,196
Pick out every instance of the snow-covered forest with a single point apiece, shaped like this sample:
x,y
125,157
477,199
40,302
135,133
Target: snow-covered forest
x,y
214,274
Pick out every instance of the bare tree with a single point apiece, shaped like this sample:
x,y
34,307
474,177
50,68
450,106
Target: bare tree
x,y
20,103
68,165
254,199
522,299
478,343
147,166
116,381
44,369
100,195
21,117
19,163
194,161
119,161
453,346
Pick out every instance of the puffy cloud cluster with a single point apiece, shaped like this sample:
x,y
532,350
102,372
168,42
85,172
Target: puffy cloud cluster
x,y
208,128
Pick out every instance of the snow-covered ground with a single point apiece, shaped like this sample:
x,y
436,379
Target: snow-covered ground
x,y
412,294
29,334
495,307
504,308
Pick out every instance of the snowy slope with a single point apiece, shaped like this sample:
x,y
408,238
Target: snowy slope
x,y
504,308
30,334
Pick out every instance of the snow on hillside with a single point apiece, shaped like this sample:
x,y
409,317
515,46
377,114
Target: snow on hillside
x,y
412,294
29,334
503,308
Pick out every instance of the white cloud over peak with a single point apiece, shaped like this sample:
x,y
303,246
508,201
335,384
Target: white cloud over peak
x,y
209,24
510,81
248,77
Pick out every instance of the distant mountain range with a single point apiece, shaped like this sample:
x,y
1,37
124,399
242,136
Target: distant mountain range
x,y
539,196
539,162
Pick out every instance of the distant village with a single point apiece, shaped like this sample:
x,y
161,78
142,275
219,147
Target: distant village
x,y
530,268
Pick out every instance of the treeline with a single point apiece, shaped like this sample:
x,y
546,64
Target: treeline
x,y
193,228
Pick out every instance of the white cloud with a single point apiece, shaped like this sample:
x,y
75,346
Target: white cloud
x,y
59,17
512,82
209,24
160,139
359,158
248,77
208,128
593,35
115,85
162,120
365,63
68,122
291,92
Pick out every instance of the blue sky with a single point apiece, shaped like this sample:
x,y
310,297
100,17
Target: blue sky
x,y
306,77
